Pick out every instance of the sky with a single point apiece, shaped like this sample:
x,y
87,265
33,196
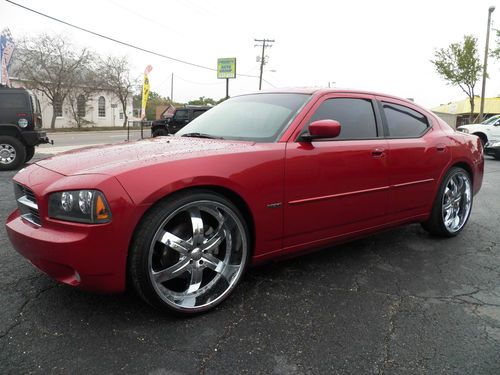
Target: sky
x,y
383,46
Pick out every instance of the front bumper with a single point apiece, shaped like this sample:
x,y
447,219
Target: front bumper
x,y
89,256
491,150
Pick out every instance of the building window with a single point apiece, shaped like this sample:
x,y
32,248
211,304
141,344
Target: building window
x,y
80,106
57,104
101,107
121,115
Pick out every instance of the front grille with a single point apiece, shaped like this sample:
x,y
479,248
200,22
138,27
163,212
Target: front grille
x,y
27,204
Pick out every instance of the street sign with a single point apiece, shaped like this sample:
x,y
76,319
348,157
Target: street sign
x,y
226,68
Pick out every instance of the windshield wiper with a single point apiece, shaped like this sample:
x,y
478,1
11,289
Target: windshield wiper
x,y
201,135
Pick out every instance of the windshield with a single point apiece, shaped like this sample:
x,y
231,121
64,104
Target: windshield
x,y
491,120
257,117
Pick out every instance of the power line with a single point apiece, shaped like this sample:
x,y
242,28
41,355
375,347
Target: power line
x,y
123,43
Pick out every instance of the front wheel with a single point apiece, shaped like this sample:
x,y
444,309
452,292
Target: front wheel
x,y
453,204
189,252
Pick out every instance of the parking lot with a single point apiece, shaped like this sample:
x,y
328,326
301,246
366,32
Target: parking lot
x,y
392,303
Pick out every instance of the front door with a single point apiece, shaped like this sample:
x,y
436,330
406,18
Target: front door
x,y
336,186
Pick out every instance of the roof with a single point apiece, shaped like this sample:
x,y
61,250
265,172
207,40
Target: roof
x,y
491,106
322,91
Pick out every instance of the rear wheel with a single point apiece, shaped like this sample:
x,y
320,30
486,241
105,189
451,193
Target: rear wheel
x,y
12,153
189,252
453,204
30,152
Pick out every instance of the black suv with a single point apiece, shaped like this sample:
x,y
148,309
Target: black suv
x,y
181,117
20,119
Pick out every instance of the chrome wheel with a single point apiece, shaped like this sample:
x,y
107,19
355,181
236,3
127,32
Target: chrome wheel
x,y
197,255
457,201
7,153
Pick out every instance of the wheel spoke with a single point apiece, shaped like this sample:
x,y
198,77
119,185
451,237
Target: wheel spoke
x,y
197,224
196,278
217,265
213,263
172,271
175,243
215,240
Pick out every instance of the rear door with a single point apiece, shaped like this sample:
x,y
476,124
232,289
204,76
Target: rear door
x,y
336,186
418,156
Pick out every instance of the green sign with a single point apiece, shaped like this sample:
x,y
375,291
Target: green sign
x,y
226,68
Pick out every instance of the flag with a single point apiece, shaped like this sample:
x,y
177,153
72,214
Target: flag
x,y
7,47
145,91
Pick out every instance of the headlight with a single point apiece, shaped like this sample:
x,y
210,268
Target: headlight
x,y
463,130
82,206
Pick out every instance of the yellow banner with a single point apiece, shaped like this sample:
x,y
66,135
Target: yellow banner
x,y
145,92
145,96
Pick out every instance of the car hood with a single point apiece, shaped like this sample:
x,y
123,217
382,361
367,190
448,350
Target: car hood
x,y
116,158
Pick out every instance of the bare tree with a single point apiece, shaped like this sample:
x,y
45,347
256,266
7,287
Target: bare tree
x,y
460,66
80,96
51,65
115,75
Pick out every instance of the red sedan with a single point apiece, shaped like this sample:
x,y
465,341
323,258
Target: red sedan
x,y
258,177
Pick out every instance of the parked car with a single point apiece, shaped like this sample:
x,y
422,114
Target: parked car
x,y
181,117
258,177
493,149
20,124
488,130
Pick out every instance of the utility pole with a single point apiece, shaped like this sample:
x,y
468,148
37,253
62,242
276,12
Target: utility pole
x,y
485,72
266,43
172,88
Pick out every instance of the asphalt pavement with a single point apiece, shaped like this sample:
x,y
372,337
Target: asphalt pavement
x,y
399,302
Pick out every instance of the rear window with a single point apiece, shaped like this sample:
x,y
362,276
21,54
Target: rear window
x,y
13,101
404,122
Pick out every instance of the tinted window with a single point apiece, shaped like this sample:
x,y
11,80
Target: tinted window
x,y
356,117
403,121
198,112
181,115
13,101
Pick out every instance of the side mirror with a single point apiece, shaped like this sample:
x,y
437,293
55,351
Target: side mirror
x,y
322,129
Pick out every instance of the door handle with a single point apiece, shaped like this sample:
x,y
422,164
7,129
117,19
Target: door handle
x,y
441,148
378,152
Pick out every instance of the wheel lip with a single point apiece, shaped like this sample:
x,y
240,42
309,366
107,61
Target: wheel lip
x,y
468,192
12,152
236,277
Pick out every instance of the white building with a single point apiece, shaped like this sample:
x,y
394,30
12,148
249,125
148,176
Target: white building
x,y
101,109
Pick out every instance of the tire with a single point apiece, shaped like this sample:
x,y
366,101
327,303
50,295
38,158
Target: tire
x,y
30,152
189,252
482,137
453,204
160,132
12,153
